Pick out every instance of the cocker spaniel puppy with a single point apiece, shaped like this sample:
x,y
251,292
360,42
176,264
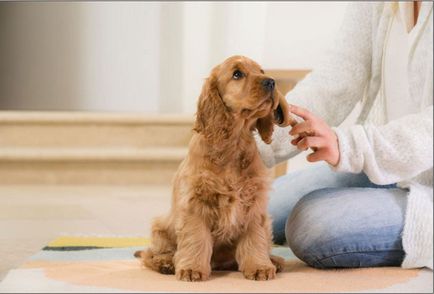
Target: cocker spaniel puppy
x,y
218,219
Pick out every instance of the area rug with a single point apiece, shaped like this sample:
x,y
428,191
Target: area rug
x,y
106,264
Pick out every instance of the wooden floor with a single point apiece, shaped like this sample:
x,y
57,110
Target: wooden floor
x,y
31,216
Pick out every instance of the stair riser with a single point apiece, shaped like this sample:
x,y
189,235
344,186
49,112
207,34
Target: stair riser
x,y
92,135
87,173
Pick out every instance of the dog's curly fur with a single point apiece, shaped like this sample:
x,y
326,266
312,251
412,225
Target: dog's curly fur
x,y
218,219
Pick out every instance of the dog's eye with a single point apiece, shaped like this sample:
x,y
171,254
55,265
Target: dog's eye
x,y
237,75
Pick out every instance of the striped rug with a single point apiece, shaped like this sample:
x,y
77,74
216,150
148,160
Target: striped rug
x,y
106,264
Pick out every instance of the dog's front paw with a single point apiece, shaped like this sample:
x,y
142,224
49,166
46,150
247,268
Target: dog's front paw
x,y
190,275
260,273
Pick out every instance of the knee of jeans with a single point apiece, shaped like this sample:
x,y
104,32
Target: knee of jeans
x,y
305,228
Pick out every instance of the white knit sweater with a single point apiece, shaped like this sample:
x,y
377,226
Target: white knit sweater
x,y
400,151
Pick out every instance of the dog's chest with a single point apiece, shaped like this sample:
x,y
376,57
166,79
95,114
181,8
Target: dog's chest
x,y
230,205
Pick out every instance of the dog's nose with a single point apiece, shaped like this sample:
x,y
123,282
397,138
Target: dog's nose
x,y
268,84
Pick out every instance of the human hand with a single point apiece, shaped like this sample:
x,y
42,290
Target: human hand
x,y
314,133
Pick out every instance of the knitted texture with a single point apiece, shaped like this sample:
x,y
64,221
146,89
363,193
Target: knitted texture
x,y
399,151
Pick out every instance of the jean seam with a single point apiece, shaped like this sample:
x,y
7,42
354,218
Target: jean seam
x,y
352,252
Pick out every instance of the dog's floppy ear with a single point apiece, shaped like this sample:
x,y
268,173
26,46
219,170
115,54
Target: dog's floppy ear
x,y
282,116
212,115
265,127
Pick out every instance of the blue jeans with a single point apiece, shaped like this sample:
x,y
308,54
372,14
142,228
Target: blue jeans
x,y
338,220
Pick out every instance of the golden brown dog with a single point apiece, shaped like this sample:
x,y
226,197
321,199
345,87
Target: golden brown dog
x,y
218,219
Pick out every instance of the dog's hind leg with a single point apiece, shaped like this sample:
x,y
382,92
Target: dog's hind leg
x,y
278,262
160,262
159,256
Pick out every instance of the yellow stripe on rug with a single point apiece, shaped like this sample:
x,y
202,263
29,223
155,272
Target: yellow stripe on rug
x,y
99,241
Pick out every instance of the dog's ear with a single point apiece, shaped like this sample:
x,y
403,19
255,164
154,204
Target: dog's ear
x,y
212,117
265,127
282,116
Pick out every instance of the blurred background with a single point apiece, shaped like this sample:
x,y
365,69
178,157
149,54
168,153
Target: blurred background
x,y
149,57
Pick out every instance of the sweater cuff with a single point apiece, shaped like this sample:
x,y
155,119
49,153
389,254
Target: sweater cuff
x,y
350,154
417,234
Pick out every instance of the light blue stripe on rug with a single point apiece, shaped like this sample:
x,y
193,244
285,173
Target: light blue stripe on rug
x,y
118,254
91,254
284,252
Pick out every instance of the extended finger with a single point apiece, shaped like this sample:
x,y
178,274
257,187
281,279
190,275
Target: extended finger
x,y
303,127
296,140
311,142
301,136
301,112
320,154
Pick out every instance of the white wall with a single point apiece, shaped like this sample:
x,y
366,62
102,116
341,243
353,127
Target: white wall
x,y
147,56
40,53
298,32
279,35
80,56
120,65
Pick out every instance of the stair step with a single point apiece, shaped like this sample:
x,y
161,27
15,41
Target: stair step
x,y
89,166
76,148
81,129
93,154
92,117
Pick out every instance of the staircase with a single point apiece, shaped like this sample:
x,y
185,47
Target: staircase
x,y
91,148
84,148
71,148
88,148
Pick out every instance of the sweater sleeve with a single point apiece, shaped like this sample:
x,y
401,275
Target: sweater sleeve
x,y
332,89
394,152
